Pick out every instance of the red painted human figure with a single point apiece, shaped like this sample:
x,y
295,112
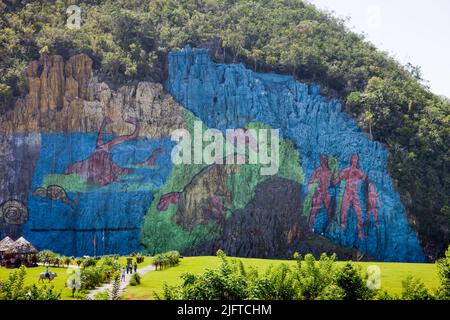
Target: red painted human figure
x,y
324,176
241,136
352,175
373,202
99,168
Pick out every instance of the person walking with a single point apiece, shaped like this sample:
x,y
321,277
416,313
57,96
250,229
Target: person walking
x,y
135,267
123,274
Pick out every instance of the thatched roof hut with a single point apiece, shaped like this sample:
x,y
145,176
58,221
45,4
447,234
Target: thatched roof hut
x,y
6,244
22,246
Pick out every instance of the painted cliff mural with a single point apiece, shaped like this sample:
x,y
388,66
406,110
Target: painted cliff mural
x,y
87,170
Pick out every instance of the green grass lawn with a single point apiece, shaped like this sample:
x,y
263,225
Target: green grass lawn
x,y
392,274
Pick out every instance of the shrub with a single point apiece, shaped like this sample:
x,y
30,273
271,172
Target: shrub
x,y
91,277
14,288
308,280
136,279
104,295
384,295
110,261
313,277
67,261
115,291
140,259
443,266
414,289
168,259
79,262
89,262
353,283
46,257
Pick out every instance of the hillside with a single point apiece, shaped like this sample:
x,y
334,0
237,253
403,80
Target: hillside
x,y
129,44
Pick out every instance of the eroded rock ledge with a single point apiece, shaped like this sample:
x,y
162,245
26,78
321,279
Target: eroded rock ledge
x,y
65,96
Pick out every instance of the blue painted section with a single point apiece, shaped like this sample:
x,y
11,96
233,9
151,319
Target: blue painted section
x,y
229,96
118,208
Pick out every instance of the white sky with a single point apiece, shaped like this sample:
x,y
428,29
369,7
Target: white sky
x,y
413,31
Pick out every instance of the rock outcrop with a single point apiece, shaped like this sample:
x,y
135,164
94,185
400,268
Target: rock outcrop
x,y
85,169
365,211
271,226
66,97
57,125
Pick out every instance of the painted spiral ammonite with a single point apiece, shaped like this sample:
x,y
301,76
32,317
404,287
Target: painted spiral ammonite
x,y
13,212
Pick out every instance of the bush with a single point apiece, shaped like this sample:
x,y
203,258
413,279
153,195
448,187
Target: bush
x,y
89,262
110,261
104,295
353,283
46,257
115,291
92,277
313,277
443,266
310,279
168,259
139,259
136,279
414,289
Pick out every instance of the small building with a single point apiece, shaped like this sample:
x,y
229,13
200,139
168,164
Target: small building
x,y
5,245
13,254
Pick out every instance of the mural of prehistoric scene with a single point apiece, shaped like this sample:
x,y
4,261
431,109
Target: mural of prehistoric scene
x,y
87,170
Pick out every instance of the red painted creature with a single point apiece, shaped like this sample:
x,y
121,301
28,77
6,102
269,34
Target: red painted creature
x,y
151,161
167,199
323,175
99,168
352,175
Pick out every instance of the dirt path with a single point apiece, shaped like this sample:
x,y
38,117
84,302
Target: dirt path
x,y
123,283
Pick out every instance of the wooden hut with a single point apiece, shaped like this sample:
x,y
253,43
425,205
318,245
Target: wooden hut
x,y
19,252
5,245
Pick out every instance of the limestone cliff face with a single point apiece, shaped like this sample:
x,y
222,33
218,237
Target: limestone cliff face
x,y
349,195
66,97
87,170
64,120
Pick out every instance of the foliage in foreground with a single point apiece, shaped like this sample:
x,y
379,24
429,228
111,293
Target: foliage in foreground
x,y
14,288
309,279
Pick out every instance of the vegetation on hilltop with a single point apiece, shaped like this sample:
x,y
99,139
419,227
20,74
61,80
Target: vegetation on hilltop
x,y
129,40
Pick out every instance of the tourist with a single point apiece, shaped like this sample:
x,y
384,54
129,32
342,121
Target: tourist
x,y
135,267
123,274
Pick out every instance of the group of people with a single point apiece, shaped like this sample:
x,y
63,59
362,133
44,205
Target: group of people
x,y
352,176
128,269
